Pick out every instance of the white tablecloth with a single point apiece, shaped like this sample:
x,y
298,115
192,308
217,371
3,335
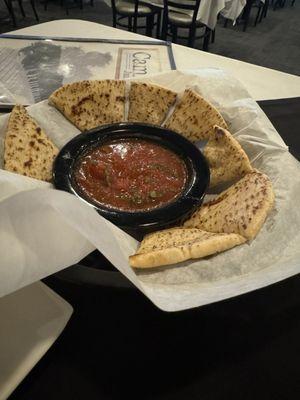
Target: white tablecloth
x,y
209,9
233,9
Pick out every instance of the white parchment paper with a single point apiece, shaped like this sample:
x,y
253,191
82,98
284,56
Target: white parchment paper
x,y
43,230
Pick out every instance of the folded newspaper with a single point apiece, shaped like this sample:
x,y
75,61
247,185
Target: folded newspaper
x,y
44,230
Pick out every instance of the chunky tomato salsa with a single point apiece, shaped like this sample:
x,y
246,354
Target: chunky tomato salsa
x,y
131,175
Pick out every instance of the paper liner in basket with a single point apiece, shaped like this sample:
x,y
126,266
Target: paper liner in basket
x,y
45,230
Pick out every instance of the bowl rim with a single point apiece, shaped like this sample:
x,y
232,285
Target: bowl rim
x,y
197,168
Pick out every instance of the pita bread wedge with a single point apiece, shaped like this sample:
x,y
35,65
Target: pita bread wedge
x,y
174,245
226,158
88,104
27,149
241,209
149,103
194,117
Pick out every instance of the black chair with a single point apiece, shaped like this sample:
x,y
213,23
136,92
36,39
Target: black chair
x,y
68,6
280,3
9,5
174,18
262,12
132,10
247,11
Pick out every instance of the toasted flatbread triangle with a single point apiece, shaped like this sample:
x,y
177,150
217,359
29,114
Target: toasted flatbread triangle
x,y
88,104
241,209
194,117
227,160
27,149
174,245
149,103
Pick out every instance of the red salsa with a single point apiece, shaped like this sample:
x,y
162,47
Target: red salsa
x,y
131,175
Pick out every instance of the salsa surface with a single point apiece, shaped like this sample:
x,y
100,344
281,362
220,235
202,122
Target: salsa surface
x,y
131,175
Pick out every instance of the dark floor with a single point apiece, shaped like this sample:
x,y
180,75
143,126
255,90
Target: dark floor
x,y
274,43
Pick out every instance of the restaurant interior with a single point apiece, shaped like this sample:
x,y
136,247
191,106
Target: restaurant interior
x,y
149,199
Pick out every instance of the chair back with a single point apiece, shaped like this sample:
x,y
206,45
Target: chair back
x,y
134,16
182,6
113,7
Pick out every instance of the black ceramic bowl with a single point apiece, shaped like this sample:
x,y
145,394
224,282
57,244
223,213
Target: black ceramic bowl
x,y
137,223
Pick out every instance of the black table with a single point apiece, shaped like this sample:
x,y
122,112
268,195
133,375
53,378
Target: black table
x,y
118,345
